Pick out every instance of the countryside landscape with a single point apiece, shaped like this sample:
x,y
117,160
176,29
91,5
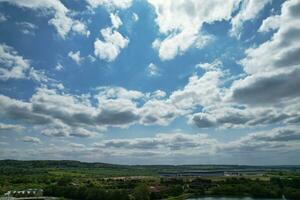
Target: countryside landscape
x,y
149,99
91,181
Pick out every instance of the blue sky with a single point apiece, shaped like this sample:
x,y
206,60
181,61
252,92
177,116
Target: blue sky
x,y
150,82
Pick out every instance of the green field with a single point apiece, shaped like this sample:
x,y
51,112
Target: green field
x,y
92,181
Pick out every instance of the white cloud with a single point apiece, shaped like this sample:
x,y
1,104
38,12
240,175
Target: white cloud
x,y
59,67
277,139
27,28
115,20
158,94
200,91
80,28
270,23
110,48
8,128
210,66
268,94
13,66
61,19
113,41
275,78
159,112
58,114
76,145
75,56
249,10
181,21
31,139
177,147
135,17
91,58
111,4
60,130
105,93
282,50
163,143
178,44
40,76
152,70
60,86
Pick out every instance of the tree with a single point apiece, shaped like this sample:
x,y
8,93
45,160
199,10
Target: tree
x,y
141,192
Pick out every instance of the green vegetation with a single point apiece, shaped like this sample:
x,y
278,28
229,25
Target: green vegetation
x,y
93,181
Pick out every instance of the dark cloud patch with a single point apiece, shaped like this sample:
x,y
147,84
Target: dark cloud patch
x,y
202,121
243,117
290,58
290,35
114,117
280,135
295,10
257,90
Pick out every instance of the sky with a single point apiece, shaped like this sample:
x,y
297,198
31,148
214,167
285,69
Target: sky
x,y
150,81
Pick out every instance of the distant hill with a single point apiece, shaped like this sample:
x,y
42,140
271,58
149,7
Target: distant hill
x,y
54,164
77,164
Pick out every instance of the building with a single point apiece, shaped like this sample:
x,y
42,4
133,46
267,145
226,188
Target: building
x,y
192,173
24,193
212,173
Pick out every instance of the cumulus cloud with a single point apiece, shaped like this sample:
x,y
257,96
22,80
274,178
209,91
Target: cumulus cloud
x,y
113,42
271,23
158,94
159,111
249,10
178,44
13,66
115,20
282,49
181,21
61,19
269,93
30,139
75,56
275,78
111,46
200,91
236,116
59,114
80,28
267,88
